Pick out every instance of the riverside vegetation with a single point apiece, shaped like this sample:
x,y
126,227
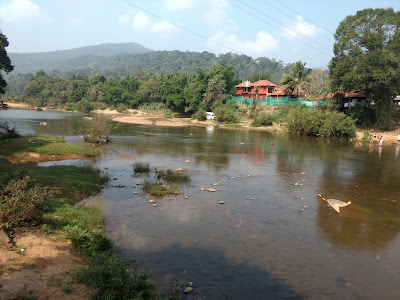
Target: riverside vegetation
x,y
42,197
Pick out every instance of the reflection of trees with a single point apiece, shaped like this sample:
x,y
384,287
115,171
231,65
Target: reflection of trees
x,y
211,149
372,221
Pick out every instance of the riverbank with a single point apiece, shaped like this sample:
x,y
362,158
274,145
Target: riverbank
x,y
134,116
38,261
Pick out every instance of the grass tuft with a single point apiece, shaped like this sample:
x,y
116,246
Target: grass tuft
x,y
158,189
141,167
173,176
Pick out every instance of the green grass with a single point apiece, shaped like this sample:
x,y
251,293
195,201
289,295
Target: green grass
x,y
44,145
158,189
111,275
234,125
141,167
173,176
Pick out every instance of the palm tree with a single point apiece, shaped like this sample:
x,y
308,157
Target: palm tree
x,y
297,77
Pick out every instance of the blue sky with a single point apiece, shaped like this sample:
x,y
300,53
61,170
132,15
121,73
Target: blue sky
x,y
280,29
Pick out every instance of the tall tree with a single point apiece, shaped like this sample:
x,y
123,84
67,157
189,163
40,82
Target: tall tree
x,y
5,62
367,57
216,91
319,84
297,77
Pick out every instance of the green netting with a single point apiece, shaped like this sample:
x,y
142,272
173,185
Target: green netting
x,y
277,101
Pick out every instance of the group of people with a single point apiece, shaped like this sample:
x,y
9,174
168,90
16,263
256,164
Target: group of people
x,y
380,137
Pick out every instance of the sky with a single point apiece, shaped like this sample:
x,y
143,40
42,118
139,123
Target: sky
x,y
287,30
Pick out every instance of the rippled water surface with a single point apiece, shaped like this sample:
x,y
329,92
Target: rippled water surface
x,y
274,237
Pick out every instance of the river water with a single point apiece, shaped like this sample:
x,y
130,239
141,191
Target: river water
x,y
274,237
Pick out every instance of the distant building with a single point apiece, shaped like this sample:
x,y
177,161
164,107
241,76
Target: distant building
x,y
351,98
396,100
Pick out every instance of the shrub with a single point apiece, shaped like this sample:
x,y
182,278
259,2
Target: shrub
x,y
363,116
200,115
319,123
337,124
305,121
173,176
224,114
122,108
6,132
115,277
21,202
39,109
263,119
84,106
97,130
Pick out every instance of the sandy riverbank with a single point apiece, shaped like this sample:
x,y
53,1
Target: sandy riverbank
x,y
17,105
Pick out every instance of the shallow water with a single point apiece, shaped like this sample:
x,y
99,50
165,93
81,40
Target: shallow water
x,y
271,238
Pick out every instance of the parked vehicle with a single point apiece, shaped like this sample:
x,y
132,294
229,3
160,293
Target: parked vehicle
x,y
210,115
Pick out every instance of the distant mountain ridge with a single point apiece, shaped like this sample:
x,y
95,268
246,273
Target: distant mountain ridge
x,y
56,60
128,58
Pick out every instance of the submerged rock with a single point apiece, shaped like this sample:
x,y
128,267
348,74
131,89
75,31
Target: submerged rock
x,y
221,202
216,184
188,290
152,201
211,190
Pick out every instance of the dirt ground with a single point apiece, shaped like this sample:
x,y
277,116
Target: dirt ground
x,y
41,267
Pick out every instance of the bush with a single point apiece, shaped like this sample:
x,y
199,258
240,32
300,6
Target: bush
x,y
84,106
319,123
305,121
226,115
39,109
337,124
122,108
6,132
97,130
200,114
263,119
363,116
21,202
115,277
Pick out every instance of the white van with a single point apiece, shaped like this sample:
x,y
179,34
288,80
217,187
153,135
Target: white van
x,y
210,115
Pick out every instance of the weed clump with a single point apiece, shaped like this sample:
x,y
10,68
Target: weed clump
x,y
159,189
173,176
141,167
115,277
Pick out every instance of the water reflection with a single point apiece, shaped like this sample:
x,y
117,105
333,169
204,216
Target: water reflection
x,y
273,238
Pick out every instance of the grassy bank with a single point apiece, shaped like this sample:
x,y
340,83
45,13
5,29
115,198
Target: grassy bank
x,y
43,148
111,275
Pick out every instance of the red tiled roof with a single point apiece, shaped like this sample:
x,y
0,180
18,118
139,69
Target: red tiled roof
x,y
263,83
279,91
348,94
257,83
244,84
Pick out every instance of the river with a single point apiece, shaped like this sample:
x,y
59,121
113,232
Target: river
x,y
274,237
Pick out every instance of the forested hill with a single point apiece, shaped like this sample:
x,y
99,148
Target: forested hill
x,y
59,60
127,59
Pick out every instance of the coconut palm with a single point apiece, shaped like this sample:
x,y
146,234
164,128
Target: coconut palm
x,y
297,77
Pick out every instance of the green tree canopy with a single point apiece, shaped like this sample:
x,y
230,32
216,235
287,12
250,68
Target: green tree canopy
x,y
297,77
5,62
367,57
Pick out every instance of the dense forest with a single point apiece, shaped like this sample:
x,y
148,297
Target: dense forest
x,y
119,60
180,92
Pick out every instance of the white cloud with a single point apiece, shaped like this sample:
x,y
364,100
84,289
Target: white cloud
x,y
300,29
216,15
140,22
178,4
263,44
21,10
